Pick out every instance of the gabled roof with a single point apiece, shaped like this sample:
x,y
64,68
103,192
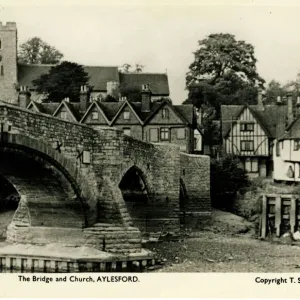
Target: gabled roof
x,y
68,107
99,76
158,82
110,108
46,108
126,103
95,103
175,109
272,118
186,111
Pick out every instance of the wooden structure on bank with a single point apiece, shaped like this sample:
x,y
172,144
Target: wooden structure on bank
x,y
280,214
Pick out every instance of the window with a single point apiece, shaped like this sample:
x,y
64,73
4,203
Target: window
x,y
278,149
0,44
251,165
95,115
2,71
86,157
247,145
164,134
63,115
296,145
153,135
165,113
247,126
127,131
126,115
183,148
181,133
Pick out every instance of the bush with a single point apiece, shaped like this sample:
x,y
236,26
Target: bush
x,y
227,179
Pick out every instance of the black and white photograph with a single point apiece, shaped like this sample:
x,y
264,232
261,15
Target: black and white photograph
x,y
150,138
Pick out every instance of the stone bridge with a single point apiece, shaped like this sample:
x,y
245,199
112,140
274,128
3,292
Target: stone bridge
x,y
72,182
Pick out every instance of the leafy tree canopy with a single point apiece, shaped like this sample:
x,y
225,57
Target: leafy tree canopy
x,y
36,51
131,92
128,68
227,178
63,80
223,72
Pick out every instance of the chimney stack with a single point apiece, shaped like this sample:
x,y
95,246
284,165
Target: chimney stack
x,y
146,98
290,107
24,96
84,98
260,101
112,88
298,106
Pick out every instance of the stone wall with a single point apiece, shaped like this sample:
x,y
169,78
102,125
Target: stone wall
x,y
8,64
195,181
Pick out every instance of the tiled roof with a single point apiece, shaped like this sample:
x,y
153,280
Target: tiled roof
x,y
293,130
99,76
47,108
158,83
186,111
272,118
229,113
28,73
110,109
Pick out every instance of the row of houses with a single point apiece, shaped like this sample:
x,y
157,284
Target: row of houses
x,y
152,120
266,138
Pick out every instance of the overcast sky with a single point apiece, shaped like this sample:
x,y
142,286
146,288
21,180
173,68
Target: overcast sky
x,y
162,37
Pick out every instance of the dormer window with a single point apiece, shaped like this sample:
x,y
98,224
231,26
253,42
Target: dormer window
x,y
126,115
165,113
95,115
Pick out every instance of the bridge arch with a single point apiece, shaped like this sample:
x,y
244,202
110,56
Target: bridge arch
x,y
67,166
136,193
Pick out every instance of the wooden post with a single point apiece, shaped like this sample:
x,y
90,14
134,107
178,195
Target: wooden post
x,y
278,215
264,217
293,216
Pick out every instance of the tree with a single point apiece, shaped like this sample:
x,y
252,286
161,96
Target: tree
x,y
131,92
227,178
127,68
36,51
273,90
63,80
223,72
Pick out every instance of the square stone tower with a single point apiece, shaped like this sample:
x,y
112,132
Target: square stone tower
x,y
8,62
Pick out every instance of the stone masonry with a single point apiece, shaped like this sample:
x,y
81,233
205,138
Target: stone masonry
x,y
85,166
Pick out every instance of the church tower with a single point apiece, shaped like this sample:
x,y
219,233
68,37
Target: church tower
x,y
8,62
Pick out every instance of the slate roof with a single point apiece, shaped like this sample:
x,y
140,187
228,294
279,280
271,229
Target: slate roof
x,y
158,82
99,76
273,118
